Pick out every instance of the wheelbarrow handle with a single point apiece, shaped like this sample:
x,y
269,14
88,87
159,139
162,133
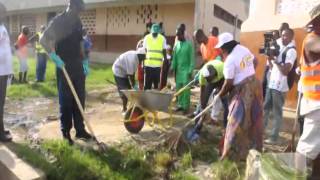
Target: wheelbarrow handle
x,y
184,88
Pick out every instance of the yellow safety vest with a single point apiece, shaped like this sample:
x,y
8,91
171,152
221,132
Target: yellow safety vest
x,y
154,56
39,48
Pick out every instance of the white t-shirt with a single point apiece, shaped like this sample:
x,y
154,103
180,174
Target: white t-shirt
x,y
278,81
5,52
126,64
239,64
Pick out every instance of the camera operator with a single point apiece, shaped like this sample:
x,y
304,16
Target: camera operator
x,y
271,39
280,64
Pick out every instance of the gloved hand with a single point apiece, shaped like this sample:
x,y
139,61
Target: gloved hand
x,y
192,136
216,108
86,69
135,87
196,77
57,60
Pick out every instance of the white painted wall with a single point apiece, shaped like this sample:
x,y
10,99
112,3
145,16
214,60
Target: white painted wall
x,y
264,15
205,18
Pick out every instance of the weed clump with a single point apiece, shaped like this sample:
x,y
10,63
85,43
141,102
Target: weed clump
x,y
226,170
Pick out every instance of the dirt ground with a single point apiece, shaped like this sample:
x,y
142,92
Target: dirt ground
x,y
38,118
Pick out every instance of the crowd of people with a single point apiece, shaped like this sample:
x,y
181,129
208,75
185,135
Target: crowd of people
x,y
227,74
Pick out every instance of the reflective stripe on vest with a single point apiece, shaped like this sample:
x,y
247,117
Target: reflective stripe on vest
x,y
310,80
154,56
39,47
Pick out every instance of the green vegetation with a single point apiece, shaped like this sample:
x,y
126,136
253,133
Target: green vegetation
x,y
96,80
226,170
72,162
186,160
126,160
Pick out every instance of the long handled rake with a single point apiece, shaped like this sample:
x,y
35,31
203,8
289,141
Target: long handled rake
x,y
100,144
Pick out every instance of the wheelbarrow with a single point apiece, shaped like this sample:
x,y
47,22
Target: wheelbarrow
x,y
145,106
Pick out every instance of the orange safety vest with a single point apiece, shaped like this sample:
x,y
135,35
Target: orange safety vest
x,y
310,76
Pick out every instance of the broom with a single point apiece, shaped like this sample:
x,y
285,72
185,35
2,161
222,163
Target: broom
x,y
177,137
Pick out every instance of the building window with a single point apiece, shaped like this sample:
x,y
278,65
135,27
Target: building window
x,y
225,16
89,19
289,7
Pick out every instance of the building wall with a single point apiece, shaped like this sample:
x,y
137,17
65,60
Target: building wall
x,y
268,15
205,18
120,28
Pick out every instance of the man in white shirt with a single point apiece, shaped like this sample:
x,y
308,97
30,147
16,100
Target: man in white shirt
x,y
5,70
244,128
278,84
124,69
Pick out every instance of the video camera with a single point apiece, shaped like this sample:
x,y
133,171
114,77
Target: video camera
x,y
270,46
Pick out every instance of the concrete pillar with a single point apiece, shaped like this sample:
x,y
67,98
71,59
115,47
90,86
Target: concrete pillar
x,y
101,21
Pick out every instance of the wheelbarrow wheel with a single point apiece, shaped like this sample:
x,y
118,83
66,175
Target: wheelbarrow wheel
x,y
134,125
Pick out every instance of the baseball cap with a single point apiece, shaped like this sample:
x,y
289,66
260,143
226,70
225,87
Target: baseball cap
x,y
141,51
314,14
224,38
155,28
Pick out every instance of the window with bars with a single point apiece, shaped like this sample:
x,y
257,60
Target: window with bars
x,y
88,19
227,17
123,16
29,21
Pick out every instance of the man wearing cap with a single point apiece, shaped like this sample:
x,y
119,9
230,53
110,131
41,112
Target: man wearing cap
x,y
155,45
245,127
64,43
210,78
183,65
124,69
5,70
309,142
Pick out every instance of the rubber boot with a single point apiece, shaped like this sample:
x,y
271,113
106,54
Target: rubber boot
x,y
20,77
25,74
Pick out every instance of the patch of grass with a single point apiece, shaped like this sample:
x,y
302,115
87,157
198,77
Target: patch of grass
x,y
96,80
162,161
205,152
38,161
226,170
186,160
183,175
73,162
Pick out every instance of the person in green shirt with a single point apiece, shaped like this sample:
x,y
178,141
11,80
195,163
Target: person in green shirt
x,y
210,77
183,62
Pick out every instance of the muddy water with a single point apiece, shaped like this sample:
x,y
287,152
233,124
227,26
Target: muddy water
x,y
25,117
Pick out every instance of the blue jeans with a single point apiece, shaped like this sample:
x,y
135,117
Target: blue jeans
x,y
69,111
41,66
274,102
